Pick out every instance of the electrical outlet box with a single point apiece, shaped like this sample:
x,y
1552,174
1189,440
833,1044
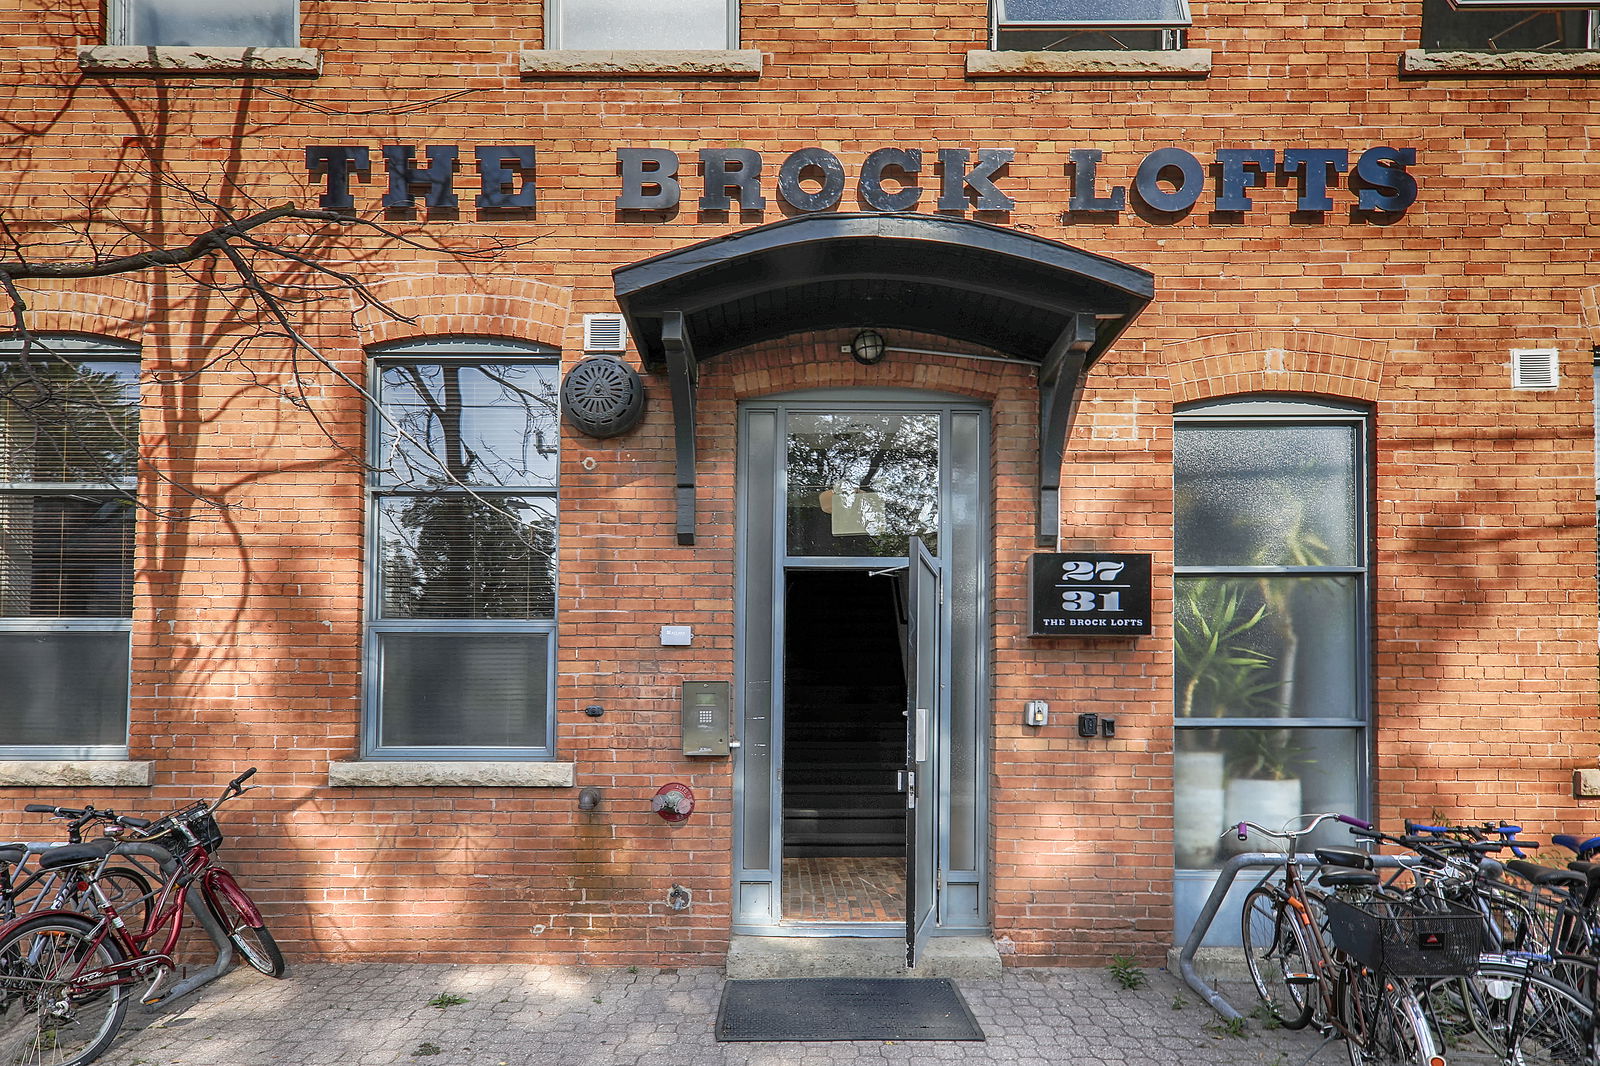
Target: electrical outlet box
x,y
1088,725
1108,727
1035,713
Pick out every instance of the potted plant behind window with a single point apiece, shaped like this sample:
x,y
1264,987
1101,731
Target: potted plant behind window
x,y
1219,675
1263,785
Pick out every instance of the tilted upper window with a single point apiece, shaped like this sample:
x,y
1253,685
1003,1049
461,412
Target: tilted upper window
x,y
632,24
1075,25
205,23
1473,26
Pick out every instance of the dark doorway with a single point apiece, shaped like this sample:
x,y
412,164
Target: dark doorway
x,y
844,746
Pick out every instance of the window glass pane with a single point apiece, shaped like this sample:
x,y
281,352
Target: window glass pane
x,y
491,424
1104,12
66,557
1225,776
643,24
862,484
1445,27
1266,496
1266,647
456,555
68,421
237,23
63,688
464,689
1108,40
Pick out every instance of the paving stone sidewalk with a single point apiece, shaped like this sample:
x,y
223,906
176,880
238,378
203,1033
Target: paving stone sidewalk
x,y
379,1015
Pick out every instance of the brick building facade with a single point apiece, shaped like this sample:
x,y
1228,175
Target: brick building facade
x,y
1306,420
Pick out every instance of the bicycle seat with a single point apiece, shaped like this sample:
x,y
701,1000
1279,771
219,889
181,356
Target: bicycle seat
x,y
13,853
1347,878
74,854
1350,857
1546,875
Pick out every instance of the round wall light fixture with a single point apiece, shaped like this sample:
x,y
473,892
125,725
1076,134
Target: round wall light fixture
x,y
867,347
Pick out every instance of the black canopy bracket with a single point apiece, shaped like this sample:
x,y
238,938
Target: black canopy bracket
x,y
1061,378
683,372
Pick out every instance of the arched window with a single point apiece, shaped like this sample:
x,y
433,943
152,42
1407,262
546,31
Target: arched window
x,y
461,637
1270,622
69,451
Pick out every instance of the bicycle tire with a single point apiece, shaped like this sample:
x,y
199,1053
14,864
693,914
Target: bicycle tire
x,y
1553,1024
1277,955
127,889
254,942
43,1020
1397,1031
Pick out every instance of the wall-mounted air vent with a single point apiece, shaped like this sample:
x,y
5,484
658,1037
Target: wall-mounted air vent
x,y
604,333
1534,368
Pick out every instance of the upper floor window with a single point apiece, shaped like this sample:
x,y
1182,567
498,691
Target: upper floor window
x,y
1460,25
461,639
205,23
1089,25
628,24
69,448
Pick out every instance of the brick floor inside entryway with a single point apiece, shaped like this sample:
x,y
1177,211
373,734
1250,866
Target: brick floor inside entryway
x,y
844,890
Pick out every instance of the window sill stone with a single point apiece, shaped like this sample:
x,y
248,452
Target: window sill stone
x,y
641,63
1167,63
173,59
84,773
1421,61
397,774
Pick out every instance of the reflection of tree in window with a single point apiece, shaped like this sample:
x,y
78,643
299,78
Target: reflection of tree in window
x,y
1447,27
883,469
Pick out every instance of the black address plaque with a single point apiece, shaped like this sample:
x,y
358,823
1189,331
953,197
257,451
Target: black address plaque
x,y
1090,594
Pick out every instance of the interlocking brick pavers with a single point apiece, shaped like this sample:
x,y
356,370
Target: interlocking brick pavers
x,y
379,1015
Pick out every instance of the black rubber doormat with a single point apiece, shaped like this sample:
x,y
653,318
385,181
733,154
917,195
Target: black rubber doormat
x,y
845,1008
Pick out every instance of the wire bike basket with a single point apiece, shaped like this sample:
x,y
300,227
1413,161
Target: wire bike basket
x,y
1404,940
194,825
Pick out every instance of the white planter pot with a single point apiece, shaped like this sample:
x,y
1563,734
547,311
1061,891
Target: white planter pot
x,y
1267,803
1197,807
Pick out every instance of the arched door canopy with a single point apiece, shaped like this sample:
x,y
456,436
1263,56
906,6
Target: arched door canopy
x,y
1037,300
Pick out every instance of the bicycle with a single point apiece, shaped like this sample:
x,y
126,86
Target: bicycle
x,y
1309,954
64,976
23,891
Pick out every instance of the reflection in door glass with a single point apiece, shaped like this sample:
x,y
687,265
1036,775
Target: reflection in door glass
x,y
862,484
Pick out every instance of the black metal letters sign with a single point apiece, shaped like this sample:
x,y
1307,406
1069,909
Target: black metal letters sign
x,y
1090,594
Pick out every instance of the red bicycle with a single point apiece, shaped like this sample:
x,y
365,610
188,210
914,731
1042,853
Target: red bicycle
x,y
65,975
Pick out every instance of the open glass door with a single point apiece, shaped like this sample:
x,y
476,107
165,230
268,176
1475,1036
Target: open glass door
x,y
922,721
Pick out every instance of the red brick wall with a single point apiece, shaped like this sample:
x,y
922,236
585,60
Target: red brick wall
x,y
248,620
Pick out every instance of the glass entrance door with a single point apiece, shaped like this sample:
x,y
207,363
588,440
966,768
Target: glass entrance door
x,y
842,497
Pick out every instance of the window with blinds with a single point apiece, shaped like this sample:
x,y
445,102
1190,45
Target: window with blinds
x,y
69,446
462,634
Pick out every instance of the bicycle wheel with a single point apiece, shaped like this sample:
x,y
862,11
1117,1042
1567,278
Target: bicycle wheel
x,y
127,889
254,943
46,1017
1276,953
1396,1028
1551,1024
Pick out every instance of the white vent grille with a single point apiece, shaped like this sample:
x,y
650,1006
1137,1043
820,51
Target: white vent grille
x,y
604,333
1534,368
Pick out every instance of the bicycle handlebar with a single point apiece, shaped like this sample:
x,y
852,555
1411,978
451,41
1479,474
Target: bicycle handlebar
x,y
1243,828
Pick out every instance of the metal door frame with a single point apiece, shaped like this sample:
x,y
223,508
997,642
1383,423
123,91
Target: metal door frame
x,y
757,879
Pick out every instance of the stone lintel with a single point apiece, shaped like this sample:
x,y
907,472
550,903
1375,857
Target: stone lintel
x,y
75,773
1164,63
397,774
176,59
1421,61
738,63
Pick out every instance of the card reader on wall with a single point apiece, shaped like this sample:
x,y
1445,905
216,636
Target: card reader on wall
x,y
705,717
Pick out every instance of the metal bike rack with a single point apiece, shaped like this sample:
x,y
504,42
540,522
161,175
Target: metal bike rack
x,y
1219,892
208,921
